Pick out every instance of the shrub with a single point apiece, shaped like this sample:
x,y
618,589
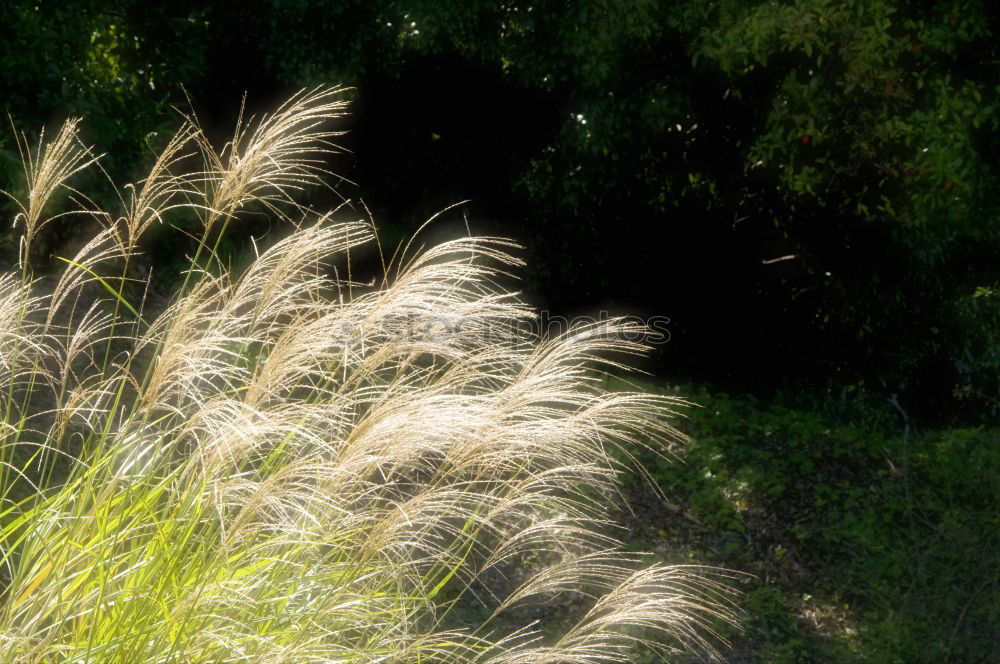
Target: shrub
x,y
287,465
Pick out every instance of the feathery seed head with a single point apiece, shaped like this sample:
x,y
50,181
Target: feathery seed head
x,y
284,467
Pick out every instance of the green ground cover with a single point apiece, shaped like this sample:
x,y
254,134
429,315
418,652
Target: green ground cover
x,y
873,543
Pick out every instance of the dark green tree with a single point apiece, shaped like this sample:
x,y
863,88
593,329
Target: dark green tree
x,y
803,187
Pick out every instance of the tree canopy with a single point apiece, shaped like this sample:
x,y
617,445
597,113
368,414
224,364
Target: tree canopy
x,y
804,188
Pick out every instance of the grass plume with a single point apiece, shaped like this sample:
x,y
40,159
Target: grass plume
x,y
280,467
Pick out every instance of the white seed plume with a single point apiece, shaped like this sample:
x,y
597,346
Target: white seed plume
x,y
286,466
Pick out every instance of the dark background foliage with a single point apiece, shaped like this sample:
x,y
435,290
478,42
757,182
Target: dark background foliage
x,y
806,189
654,157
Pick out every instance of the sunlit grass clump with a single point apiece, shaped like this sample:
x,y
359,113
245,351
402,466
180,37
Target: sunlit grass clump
x,y
280,465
